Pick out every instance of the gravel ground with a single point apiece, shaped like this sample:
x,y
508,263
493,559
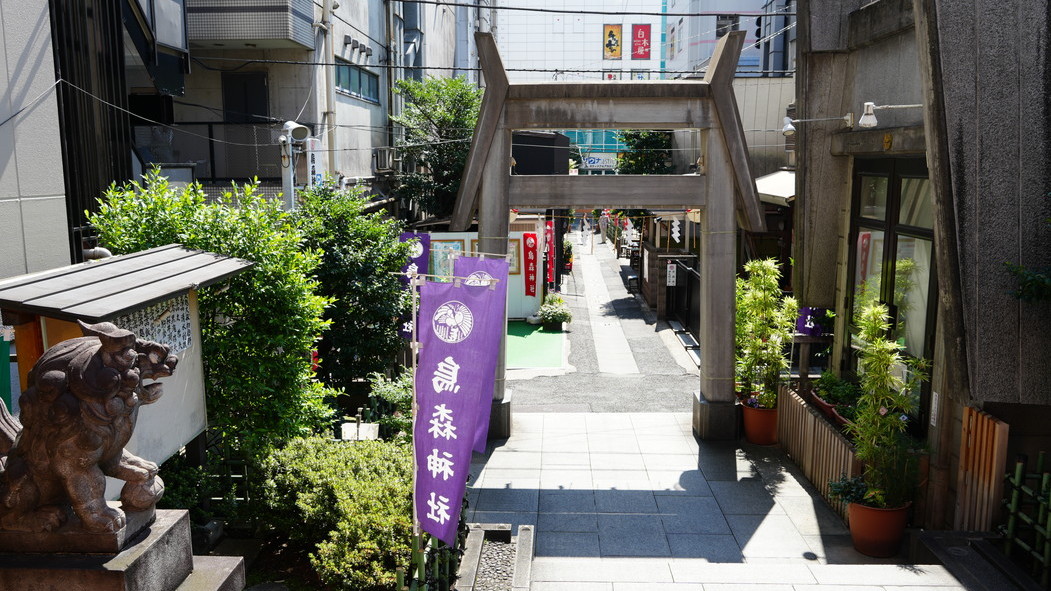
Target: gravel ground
x,y
497,566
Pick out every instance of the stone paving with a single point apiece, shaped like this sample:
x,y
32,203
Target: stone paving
x,y
630,500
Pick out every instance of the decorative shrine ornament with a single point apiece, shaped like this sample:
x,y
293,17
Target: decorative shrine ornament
x,y
452,322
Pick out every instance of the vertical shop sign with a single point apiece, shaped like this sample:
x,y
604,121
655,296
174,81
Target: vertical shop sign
x,y
640,42
611,45
530,254
455,339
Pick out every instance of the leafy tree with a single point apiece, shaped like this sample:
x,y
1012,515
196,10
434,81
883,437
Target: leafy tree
x,y
647,152
360,251
439,119
257,334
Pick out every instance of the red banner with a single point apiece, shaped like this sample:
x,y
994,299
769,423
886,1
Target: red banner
x,y
640,42
549,246
530,254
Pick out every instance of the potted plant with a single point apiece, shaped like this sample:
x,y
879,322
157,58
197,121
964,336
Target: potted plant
x,y
567,253
553,312
836,398
879,499
764,324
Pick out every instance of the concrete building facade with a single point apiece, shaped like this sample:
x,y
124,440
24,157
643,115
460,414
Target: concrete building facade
x,y
928,206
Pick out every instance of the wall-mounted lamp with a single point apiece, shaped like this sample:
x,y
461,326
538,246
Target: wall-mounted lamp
x,y
868,117
790,129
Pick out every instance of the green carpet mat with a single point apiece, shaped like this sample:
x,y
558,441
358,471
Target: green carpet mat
x,y
529,346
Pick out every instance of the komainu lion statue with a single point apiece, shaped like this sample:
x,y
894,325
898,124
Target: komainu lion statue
x,y
78,413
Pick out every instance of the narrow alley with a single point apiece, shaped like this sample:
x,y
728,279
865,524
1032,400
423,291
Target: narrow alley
x,y
603,464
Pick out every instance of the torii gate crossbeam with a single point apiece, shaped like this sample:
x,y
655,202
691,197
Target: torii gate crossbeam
x,y
722,189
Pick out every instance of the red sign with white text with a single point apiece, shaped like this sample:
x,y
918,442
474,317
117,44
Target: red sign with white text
x,y
530,255
640,42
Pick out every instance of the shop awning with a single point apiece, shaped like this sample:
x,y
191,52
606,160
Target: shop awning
x,y
778,188
101,290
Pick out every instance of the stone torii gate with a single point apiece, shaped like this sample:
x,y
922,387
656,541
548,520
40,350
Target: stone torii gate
x,y
722,187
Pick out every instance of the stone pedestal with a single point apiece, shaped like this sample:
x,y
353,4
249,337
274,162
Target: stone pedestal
x,y
500,418
714,420
158,558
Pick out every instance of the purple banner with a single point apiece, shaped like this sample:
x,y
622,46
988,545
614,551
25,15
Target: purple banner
x,y
479,273
455,333
811,321
419,254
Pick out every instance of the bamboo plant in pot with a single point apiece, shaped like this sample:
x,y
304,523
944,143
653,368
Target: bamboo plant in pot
x,y
880,498
764,324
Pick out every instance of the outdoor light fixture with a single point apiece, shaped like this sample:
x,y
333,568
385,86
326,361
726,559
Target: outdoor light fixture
x,y
868,117
790,129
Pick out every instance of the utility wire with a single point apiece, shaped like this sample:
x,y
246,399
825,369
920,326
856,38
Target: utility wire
x,y
246,62
30,103
602,12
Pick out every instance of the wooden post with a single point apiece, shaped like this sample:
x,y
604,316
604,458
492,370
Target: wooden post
x,y
493,228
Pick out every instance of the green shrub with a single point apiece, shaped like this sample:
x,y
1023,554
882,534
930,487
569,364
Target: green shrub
x,y
554,310
349,503
390,403
258,333
359,253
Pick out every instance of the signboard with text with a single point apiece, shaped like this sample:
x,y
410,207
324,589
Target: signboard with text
x,y
640,42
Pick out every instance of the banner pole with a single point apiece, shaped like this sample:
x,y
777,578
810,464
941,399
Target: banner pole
x,y
413,282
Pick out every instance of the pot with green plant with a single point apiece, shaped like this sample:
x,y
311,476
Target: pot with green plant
x,y
567,254
879,499
553,312
765,321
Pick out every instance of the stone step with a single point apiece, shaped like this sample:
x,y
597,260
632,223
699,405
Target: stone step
x,y
601,573
215,573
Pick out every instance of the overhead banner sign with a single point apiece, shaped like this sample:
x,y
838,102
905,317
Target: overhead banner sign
x,y
456,335
611,46
488,274
530,254
640,42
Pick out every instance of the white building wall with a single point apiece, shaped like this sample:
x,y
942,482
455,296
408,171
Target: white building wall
x,y
549,41
690,41
32,194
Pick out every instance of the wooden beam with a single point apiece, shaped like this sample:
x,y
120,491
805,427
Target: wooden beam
x,y
597,191
492,108
720,78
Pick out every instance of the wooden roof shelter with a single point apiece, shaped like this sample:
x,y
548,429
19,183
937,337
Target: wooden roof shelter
x,y
722,188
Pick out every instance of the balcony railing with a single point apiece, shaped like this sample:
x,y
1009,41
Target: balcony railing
x,y
219,152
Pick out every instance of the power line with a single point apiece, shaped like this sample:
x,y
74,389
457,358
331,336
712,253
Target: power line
x,y
30,103
605,12
246,62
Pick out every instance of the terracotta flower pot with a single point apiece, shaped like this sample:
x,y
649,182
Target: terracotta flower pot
x,y
877,532
760,425
829,410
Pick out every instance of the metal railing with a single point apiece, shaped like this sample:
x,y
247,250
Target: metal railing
x,y
219,152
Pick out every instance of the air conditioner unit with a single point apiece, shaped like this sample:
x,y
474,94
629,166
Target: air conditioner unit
x,y
383,160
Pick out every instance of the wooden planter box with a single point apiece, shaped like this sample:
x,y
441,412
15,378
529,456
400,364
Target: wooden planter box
x,y
816,446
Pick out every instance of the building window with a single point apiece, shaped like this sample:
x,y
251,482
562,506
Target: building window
x,y
357,81
892,257
725,23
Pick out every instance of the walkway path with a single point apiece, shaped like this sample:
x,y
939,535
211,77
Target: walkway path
x,y
629,500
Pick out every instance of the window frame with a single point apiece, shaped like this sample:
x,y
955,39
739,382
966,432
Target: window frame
x,y
895,170
356,79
